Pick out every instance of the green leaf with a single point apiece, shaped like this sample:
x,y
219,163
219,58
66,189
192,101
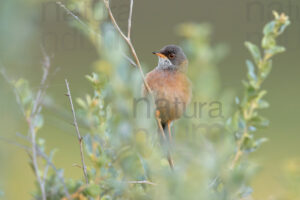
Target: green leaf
x,y
99,11
106,197
260,141
93,190
283,27
26,96
251,72
259,122
38,121
262,104
81,103
254,50
268,42
246,192
275,50
266,69
88,144
261,94
269,28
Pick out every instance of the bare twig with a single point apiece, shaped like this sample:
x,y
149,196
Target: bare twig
x,y
78,132
59,175
137,61
128,41
32,129
142,182
34,159
130,19
47,166
68,11
43,87
15,143
45,157
129,60
8,79
82,23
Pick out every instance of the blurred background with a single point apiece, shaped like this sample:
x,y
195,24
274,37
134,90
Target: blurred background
x,y
26,25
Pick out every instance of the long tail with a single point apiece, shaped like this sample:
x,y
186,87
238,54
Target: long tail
x,y
166,144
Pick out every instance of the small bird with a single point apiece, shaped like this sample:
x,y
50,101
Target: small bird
x,y
170,86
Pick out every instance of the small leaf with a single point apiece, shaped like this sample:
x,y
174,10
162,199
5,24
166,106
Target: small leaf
x,y
246,192
237,100
259,122
251,72
254,50
106,197
261,141
283,27
81,103
275,50
89,78
93,190
262,104
268,42
88,144
266,69
269,28
261,94
252,128
38,121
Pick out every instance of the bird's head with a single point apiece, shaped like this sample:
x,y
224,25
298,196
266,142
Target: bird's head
x,y
171,57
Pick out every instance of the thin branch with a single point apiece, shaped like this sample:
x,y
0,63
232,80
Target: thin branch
x,y
137,61
58,174
8,80
78,132
129,60
68,11
34,159
142,182
128,41
43,87
35,111
15,143
43,155
47,167
130,19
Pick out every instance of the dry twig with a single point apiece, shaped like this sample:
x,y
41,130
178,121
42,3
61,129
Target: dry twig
x,y
137,61
78,132
35,111
142,182
68,11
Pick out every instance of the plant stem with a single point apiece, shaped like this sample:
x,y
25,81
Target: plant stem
x,y
79,137
136,58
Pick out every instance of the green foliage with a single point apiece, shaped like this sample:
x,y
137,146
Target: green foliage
x,y
126,160
247,119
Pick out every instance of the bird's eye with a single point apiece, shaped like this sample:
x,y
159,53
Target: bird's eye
x,y
171,55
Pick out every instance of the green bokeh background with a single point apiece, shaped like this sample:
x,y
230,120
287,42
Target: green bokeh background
x,y
25,25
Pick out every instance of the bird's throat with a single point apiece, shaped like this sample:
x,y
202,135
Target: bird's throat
x,y
165,63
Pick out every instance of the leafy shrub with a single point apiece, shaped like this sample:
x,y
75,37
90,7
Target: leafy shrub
x,y
126,158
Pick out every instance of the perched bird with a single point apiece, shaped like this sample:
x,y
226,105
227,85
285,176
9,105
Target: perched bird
x,y
170,86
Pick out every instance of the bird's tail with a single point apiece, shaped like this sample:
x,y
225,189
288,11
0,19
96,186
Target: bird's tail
x,y
166,142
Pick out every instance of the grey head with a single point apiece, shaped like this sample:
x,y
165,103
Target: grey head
x,y
171,57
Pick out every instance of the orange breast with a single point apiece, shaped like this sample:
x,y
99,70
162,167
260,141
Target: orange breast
x,y
172,92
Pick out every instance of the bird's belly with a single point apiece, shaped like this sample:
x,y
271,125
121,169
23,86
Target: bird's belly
x,y
170,104
171,101
171,91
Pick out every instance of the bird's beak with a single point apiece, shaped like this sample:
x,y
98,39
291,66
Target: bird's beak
x,y
159,54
